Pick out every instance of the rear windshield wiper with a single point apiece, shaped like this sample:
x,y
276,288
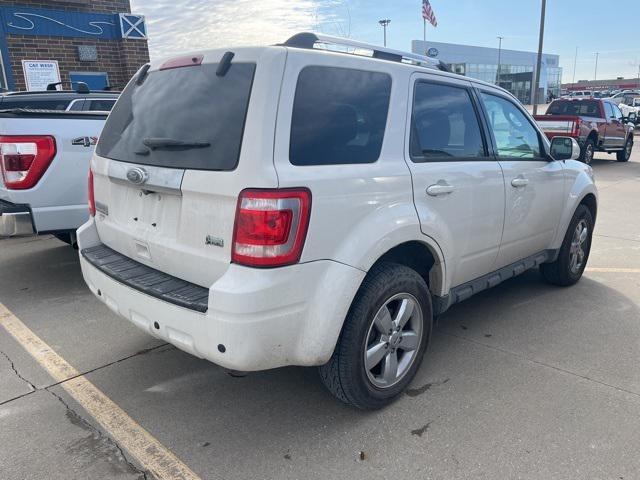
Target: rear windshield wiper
x,y
161,142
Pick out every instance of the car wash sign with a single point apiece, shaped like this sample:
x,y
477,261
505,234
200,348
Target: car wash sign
x,y
40,73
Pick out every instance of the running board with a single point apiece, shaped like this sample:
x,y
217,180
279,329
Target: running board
x,y
469,289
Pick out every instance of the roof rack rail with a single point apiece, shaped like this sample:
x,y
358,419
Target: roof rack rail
x,y
309,40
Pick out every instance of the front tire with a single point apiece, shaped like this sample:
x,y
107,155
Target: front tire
x,y
625,155
383,340
574,253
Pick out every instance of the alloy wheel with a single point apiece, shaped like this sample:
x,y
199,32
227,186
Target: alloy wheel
x,y
393,340
588,155
577,253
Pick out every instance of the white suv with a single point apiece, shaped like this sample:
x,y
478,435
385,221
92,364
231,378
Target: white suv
x,y
291,205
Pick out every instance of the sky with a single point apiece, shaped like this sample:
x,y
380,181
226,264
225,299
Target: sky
x,y
177,26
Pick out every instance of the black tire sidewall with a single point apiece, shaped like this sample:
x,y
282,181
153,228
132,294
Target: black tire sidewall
x,y
583,157
383,283
622,156
564,258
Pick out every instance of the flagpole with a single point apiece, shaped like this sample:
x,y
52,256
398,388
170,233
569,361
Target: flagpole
x,y
424,27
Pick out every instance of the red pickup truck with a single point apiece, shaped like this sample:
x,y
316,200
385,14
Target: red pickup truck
x,y
597,124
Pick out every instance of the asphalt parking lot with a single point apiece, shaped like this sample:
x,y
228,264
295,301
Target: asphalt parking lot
x,y
523,381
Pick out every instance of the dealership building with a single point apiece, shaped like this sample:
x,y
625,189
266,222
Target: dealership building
x,y
99,42
517,68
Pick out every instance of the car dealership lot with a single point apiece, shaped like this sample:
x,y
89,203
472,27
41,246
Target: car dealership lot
x,y
522,381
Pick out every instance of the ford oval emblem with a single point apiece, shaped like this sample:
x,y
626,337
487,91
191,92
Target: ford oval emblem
x,y
433,52
137,175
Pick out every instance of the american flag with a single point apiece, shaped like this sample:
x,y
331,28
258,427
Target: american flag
x,y
427,13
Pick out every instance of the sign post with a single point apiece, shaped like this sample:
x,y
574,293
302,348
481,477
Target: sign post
x,y
40,73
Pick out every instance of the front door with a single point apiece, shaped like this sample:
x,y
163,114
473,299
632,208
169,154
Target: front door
x,y
533,184
458,188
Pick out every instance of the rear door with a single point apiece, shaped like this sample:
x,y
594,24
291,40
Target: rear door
x,y
534,185
179,146
616,132
458,187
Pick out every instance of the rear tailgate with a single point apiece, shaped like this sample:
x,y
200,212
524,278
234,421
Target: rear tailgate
x,y
172,206
58,200
554,125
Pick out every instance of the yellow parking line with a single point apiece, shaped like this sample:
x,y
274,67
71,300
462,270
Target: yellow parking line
x,y
613,270
125,431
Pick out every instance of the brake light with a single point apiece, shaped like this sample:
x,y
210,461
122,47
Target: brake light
x,y
91,196
270,227
576,127
24,159
179,62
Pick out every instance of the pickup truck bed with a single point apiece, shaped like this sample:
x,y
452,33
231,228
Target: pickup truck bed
x,y
57,201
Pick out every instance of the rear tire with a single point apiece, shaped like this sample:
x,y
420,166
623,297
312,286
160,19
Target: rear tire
x,y
370,367
67,238
625,155
588,151
574,253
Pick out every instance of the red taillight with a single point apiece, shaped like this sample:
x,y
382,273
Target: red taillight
x,y
24,159
270,227
91,195
576,127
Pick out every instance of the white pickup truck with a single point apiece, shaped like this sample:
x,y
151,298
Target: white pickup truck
x,y
44,164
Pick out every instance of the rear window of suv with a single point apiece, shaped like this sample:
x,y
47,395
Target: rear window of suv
x,y
589,108
339,116
181,118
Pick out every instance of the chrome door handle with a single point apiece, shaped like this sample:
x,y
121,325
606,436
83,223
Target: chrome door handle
x,y
440,188
519,182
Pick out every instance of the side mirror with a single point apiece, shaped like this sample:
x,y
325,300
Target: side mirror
x,y
565,148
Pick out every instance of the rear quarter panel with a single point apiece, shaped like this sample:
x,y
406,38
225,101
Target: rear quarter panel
x,y
359,211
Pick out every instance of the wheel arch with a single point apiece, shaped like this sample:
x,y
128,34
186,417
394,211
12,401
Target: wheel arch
x,y
590,201
424,258
583,192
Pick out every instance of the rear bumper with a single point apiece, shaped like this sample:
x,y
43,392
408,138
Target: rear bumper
x,y
256,319
15,220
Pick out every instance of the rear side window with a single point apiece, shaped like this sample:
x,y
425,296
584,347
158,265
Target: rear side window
x,y
35,104
339,116
101,105
608,109
181,118
444,124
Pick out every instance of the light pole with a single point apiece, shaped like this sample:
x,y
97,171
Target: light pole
x,y
384,23
575,62
595,74
536,86
499,58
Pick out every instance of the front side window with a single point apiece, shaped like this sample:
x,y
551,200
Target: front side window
x,y
339,116
444,124
513,133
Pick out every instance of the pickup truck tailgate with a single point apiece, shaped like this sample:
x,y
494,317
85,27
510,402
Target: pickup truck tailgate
x,y
58,200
